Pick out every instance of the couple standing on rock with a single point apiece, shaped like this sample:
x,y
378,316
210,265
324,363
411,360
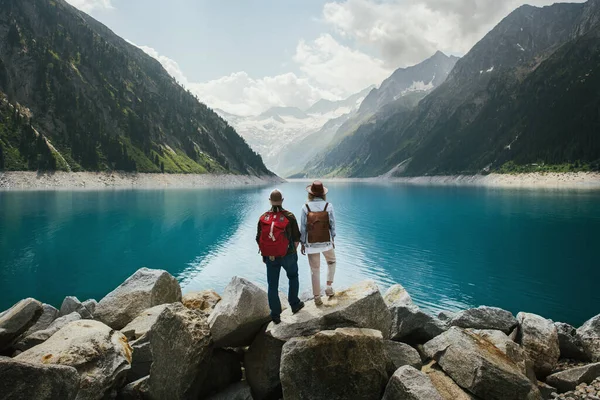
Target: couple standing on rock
x,y
278,239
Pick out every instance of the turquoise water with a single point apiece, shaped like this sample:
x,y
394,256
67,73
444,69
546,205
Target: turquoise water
x,y
450,247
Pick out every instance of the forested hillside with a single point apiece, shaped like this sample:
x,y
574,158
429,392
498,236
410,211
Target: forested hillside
x,y
77,97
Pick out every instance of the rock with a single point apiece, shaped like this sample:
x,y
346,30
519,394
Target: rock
x,y
485,318
146,288
360,306
400,354
72,304
41,336
445,386
446,316
17,320
589,333
409,323
479,367
341,364
181,350
571,345
90,305
238,317
142,324
225,369
545,390
539,338
407,383
137,390
100,355
262,362
201,301
49,314
26,381
569,379
237,391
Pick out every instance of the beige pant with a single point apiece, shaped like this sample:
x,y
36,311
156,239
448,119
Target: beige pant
x,y
314,260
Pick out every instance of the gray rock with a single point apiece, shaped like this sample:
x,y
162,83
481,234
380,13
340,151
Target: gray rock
x,y
142,324
479,367
571,345
400,354
181,350
205,300
348,363
407,383
546,390
485,318
240,314
261,363
569,379
100,355
17,320
360,306
237,391
409,323
90,305
539,338
146,288
49,314
225,369
589,333
72,304
26,381
446,316
445,386
41,336
137,390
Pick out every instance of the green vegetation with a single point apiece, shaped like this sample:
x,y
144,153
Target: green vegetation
x,y
512,168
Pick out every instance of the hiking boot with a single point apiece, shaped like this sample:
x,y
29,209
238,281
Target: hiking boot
x,y
329,291
299,307
276,320
318,301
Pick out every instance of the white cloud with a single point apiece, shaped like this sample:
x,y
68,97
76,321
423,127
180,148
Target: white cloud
x,y
91,5
407,31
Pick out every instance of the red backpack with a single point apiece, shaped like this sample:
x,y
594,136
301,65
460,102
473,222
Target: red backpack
x,y
273,241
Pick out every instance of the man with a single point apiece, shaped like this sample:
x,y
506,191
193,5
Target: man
x,y
278,237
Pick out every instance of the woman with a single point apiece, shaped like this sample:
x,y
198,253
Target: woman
x,y
317,229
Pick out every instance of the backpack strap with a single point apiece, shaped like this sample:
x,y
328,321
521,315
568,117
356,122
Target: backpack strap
x,y
326,204
308,208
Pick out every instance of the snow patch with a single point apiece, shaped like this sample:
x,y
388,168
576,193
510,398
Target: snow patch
x,y
417,86
491,69
520,47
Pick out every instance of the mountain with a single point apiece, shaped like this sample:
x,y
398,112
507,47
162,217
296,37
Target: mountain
x,y
274,132
402,91
527,93
75,96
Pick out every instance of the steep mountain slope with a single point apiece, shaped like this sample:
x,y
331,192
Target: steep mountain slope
x,y
400,93
526,93
88,100
279,129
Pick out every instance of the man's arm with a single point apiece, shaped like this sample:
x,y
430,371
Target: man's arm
x,y
258,232
295,231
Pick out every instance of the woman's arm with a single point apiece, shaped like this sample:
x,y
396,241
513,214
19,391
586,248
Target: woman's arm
x,y
303,217
331,221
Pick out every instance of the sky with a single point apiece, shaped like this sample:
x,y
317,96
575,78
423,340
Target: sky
x,y
245,56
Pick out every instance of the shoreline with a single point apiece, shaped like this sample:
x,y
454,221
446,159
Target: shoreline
x,y
549,180
30,180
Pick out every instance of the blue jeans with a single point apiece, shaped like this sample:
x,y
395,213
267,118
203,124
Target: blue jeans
x,y
290,264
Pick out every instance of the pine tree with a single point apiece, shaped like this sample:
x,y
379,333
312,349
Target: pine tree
x,y
162,167
1,157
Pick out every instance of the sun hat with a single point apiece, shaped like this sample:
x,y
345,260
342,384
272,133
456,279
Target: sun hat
x,y
317,189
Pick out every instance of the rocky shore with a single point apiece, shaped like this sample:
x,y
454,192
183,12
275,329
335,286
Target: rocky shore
x,y
144,340
28,180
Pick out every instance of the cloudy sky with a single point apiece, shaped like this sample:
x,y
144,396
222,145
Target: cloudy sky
x,y
245,56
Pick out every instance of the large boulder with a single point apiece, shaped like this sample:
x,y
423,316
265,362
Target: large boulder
x,y
445,386
569,379
41,336
240,314
146,288
137,332
17,320
409,323
26,381
570,343
204,301
589,333
539,338
485,318
72,304
100,355
237,391
400,354
479,367
49,314
224,370
136,390
341,364
181,349
408,383
262,363
360,306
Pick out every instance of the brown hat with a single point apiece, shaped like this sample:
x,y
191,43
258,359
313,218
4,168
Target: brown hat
x,y
317,189
276,198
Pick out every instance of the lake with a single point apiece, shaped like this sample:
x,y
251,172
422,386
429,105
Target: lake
x,y
451,247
